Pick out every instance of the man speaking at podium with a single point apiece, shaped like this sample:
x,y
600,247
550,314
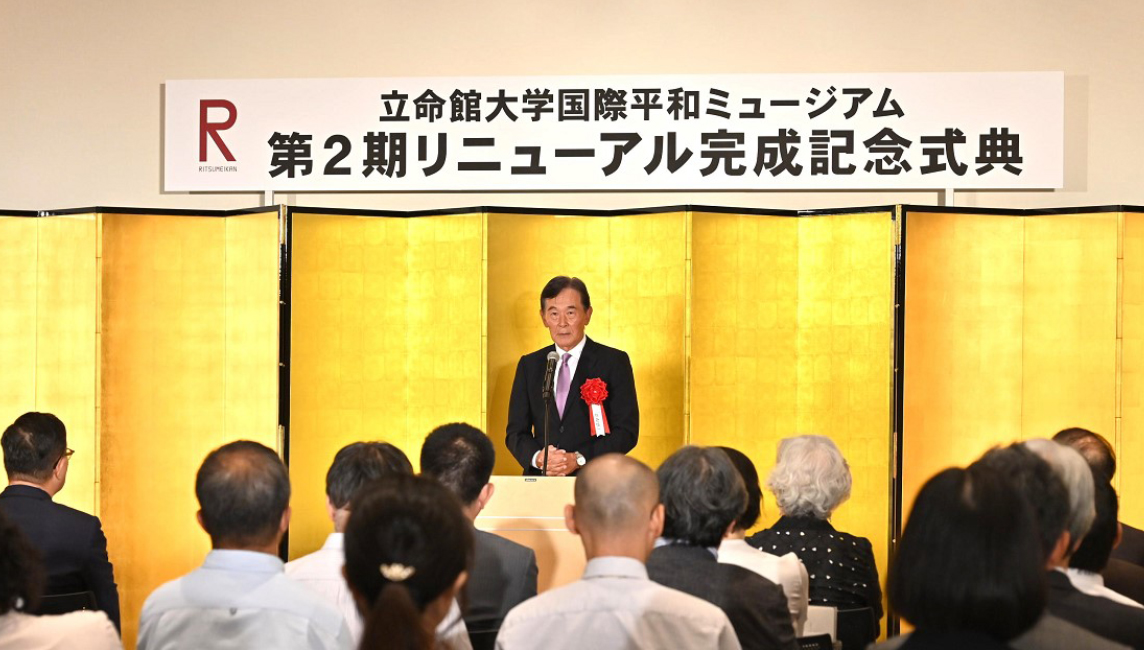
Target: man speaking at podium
x,y
588,390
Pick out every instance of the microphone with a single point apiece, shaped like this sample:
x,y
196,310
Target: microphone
x,y
549,372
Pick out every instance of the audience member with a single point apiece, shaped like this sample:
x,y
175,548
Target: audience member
x,y
809,481
1091,556
618,517
967,573
354,466
1124,572
503,573
21,582
703,495
786,571
407,550
1048,497
71,543
241,596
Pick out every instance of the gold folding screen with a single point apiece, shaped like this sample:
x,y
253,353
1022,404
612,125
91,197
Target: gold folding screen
x,y
387,332
791,332
188,351
156,338
1011,332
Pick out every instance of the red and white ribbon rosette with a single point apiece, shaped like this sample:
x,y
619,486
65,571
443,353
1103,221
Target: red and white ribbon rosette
x,y
594,392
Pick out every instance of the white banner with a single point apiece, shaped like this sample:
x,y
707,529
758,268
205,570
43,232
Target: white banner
x,y
667,132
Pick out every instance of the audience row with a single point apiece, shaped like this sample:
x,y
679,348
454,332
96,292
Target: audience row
x,y
1007,552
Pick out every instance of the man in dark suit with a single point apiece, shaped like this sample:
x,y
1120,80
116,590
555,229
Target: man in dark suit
x,y
71,542
503,573
703,494
577,431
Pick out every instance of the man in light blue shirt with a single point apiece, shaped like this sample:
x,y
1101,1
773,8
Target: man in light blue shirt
x,y
618,518
240,597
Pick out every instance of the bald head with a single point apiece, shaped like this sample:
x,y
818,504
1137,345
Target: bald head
x,y
615,495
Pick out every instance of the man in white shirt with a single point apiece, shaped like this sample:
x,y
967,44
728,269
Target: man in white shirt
x,y
355,465
240,597
618,517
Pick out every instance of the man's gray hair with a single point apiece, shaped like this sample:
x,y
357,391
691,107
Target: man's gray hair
x,y
810,477
1074,472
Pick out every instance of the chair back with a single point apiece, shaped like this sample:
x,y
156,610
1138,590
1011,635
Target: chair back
x,y
816,642
857,628
483,639
821,619
64,603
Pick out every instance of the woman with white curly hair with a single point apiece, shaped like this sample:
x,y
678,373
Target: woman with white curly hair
x,y
809,481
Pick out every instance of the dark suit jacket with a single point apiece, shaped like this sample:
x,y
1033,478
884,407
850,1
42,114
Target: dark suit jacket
x,y
1048,633
71,544
525,432
756,606
503,575
1131,547
1104,617
1125,578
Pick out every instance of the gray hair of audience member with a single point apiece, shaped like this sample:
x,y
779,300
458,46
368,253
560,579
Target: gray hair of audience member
x,y
243,490
615,494
702,493
360,463
810,477
1097,451
1074,472
1040,486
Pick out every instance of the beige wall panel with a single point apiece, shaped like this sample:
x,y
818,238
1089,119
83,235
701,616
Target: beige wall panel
x,y
634,267
1069,323
386,342
66,347
1130,443
18,305
963,340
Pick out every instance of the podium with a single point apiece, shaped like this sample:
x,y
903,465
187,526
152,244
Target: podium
x,y
529,510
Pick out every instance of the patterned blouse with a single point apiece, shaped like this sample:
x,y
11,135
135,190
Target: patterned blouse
x,y
840,566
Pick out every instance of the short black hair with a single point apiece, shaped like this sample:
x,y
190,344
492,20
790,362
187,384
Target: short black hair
x,y
1096,547
243,489
701,494
560,283
359,463
967,559
21,571
751,481
33,445
1095,449
1043,490
460,457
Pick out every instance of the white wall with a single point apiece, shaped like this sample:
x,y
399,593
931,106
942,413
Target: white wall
x,y
80,82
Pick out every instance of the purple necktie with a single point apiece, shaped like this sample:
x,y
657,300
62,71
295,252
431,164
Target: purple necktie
x,y
562,381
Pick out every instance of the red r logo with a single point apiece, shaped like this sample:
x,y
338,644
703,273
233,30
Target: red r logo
x,y
212,128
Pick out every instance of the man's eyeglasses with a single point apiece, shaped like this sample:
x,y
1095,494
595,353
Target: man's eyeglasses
x,y
67,454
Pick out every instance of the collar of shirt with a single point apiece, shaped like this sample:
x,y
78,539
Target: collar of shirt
x,y
245,561
576,351
615,567
335,542
1081,579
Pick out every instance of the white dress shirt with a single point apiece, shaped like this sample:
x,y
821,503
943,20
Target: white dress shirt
x,y
321,572
615,605
1092,584
573,360
240,600
86,630
786,571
